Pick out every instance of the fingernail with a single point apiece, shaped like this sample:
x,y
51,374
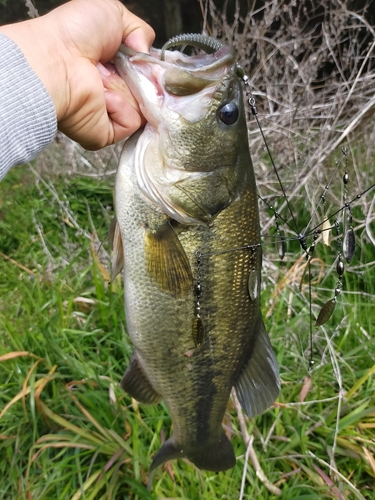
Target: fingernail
x,y
102,69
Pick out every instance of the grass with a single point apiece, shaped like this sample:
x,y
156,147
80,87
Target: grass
x,y
67,431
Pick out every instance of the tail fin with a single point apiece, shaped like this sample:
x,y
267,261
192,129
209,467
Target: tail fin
x,y
213,456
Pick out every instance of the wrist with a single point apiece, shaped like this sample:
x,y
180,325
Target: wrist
x,y
44,58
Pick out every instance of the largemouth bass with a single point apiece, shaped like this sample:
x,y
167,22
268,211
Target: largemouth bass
x,y
187,210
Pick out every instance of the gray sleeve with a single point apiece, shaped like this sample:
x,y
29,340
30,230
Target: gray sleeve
x,y
27,114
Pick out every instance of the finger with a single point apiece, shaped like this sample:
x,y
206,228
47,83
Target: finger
x,y
138,41
136,33
125,119
112,81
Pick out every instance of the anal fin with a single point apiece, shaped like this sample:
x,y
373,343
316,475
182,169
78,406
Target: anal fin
x,y
136,383
167,262
258,384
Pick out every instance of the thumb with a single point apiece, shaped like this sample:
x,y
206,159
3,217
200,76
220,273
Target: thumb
x,y
137,34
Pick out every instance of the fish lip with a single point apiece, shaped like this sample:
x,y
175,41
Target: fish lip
x,y
150,99
193,64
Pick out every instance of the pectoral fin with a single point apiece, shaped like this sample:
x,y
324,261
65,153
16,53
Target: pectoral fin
x,y
258,384
167,262
136,383
115,244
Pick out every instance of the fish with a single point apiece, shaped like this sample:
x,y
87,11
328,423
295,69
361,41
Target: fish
x,y
188,239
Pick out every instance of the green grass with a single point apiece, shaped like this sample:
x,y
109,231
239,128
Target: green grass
x,y
67,431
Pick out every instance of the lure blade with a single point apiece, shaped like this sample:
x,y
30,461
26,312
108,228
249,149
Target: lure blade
x,y
326,232
326,312
281,246
198,331
348,246
253,285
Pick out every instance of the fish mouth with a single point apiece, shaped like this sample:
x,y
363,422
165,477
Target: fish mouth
x,y
160,84
179,96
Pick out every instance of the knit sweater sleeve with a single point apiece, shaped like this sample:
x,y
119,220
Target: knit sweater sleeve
x,y
27,114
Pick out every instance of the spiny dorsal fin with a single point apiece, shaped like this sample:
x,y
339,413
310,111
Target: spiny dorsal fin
x,y
167,262
115,244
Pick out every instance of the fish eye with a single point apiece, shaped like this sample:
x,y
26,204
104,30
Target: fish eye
x,y
228,113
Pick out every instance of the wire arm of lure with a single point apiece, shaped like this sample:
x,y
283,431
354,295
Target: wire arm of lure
x,y
326,187
196,40
254,111
221,252
347,204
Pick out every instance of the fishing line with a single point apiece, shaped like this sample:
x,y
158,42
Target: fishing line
x,y
326,188
221,252
346,205
311,361
275,212
209,45
300,236
254,111
347,244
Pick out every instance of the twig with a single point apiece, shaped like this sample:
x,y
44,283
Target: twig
x,y
243,481
368,220
321,155
250,452
62,206
32,12
355,83
20,266
335,143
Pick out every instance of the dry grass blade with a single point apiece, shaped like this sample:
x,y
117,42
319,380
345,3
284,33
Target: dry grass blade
x,y
65,424
305,388
26,381
39,385
359,383
86,485
17,354
20,266
64,444
370,458
95,256
330,483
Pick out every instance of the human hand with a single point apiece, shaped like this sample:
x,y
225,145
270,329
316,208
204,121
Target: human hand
x,y
67,48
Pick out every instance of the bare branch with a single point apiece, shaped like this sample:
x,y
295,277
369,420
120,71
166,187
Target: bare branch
x,y
250,452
